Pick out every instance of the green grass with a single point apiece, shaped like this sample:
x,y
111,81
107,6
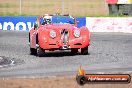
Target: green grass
x,y
79,15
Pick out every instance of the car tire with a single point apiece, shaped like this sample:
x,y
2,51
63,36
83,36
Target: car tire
x,y
33,51
81,80
40,52
74,51
84,51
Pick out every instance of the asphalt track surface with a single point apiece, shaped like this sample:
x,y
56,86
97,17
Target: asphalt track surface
x,y
108,52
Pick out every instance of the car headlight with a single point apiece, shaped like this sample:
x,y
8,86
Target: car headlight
x,y
52,34
76,33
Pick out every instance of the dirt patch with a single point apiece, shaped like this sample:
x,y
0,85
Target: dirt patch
x,y
53,82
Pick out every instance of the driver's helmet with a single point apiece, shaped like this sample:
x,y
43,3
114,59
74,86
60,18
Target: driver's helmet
x,y
47,19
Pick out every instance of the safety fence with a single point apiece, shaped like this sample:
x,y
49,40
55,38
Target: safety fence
x,y
109,24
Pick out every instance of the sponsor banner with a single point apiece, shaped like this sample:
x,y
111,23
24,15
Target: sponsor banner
x,y
17,22
111,1
25,23
81,21
107,24
119,1
124,2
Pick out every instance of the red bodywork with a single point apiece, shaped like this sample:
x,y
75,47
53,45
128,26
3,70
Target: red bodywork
x,y
42,33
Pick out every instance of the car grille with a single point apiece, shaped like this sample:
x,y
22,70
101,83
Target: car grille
x,y
64,36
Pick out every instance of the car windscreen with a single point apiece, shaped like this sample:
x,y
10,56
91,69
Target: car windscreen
x,y
62,19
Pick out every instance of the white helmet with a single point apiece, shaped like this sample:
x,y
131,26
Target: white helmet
x,y
47,19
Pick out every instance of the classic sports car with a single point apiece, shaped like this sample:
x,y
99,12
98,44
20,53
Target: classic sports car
x,y
58,33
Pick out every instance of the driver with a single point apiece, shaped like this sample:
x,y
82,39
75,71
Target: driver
x,y
47,19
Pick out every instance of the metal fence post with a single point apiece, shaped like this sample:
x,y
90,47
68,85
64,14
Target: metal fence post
x,y
20,8
62,6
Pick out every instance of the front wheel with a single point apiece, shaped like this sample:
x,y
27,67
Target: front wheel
x,y
84,51
40,52
33,51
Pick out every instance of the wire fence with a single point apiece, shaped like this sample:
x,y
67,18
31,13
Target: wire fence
x,y
40,7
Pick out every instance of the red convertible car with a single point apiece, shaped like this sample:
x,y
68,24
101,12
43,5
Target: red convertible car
x,y
59,35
